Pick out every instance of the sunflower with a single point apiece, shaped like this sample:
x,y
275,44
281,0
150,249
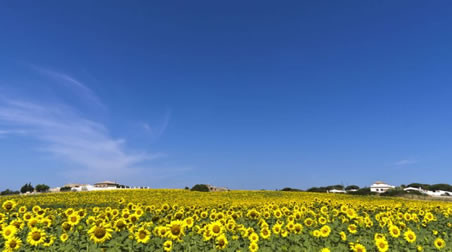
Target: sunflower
x,y
253,247
73,219
176,229
120,224
325,231
352,228
316,233
36,236
324,210
13,244
410,236
325,250
216,228
162,231
100,233
207,235
64,237
379,236
343,236
9,205
49,241
67,212
22,209
189,222
221,242
134,218
253,237
66,226
33,222
439,243
358,248
276,229
382,245
394,231
36,209
204,215
168,245
142,235
265,233
308,222
297,228
9,232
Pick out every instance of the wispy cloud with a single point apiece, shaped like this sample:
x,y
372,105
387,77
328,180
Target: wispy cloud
x,y
405,162
158,130
71,136
66,134
12,132
81,89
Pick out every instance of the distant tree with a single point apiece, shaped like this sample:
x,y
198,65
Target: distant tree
x,y
394,192
9,192
187,188
337,187
42,188
200,188
27,188
363,191
442,187
288,189
317,189
65,189
352,187
417,185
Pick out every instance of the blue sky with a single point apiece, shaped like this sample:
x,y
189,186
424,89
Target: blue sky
x,y
244,94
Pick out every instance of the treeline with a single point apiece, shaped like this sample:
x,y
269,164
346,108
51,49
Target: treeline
x,y
434,187
27,188
332,187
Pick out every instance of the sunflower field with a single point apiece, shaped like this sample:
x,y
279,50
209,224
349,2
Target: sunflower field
x,y
181,220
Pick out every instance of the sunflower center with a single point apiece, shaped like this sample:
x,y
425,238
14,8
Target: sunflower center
x,y
221,242
36,236
142,234
8,206
100,232
12,244
216,229
175,229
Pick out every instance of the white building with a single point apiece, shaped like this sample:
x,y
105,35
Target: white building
x,y
380,187
217,189
436,193
336,191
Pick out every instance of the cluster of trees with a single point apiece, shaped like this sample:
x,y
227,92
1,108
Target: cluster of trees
x,y
9,192
28,187
331,187
435,187
200,188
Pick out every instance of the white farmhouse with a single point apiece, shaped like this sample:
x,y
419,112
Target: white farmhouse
x,y
380,187
336,191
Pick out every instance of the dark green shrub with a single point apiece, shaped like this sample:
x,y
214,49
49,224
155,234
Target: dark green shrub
x,y
65,189
27,188
42,188
200,188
